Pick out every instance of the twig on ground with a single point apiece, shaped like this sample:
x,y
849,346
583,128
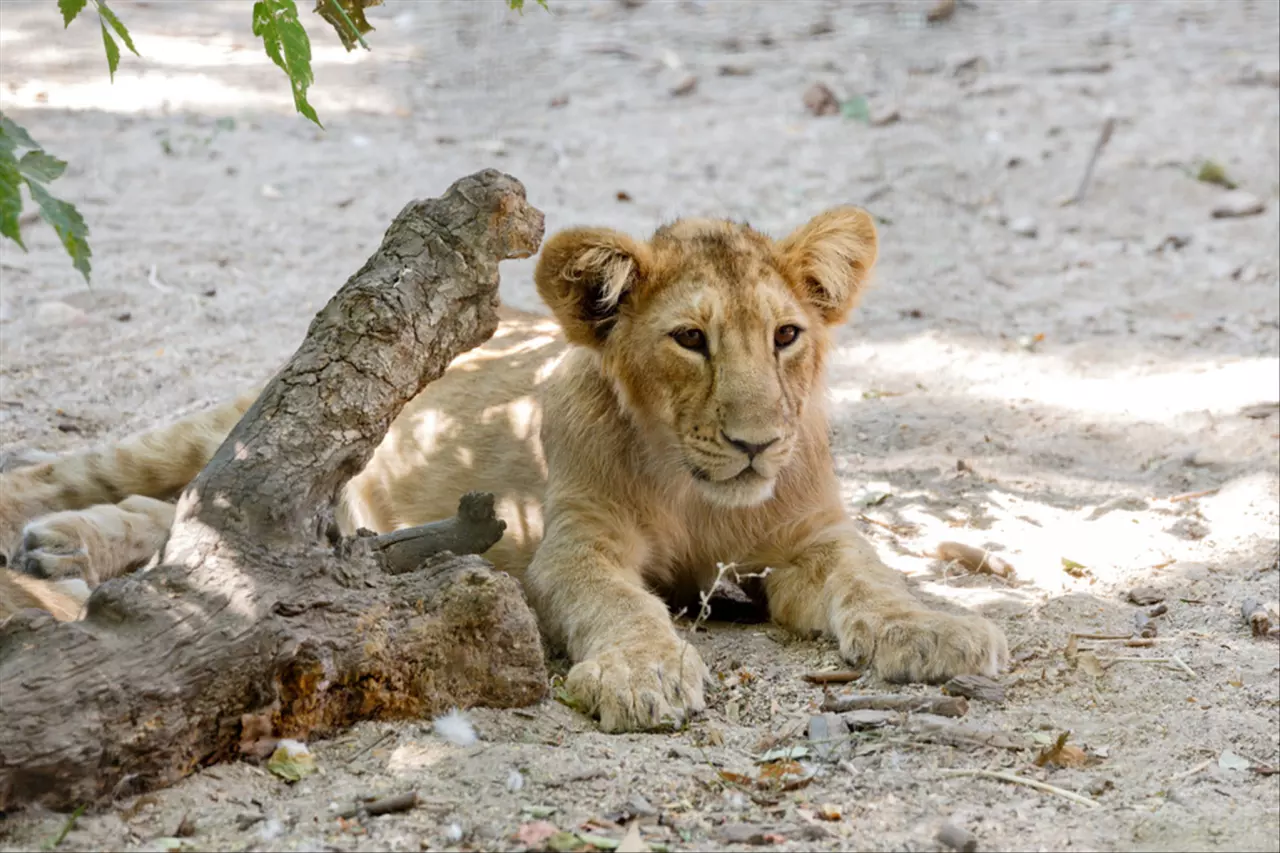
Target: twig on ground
x,y
385,805
1202,766
843,676
1104,137
1014,779
153,279
943,706
1173,659
377,742
1190,496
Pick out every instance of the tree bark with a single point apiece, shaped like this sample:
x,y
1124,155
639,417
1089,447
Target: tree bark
x,y
251,625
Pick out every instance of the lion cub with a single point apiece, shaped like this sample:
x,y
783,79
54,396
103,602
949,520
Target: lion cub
x,y
673,421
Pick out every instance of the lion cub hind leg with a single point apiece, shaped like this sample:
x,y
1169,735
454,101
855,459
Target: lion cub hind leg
x,y
157,464
59,599
838,585
631,669
94,544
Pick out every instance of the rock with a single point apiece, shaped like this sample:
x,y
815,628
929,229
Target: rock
x,y
821,101
1144,595
1024,226
826,733
1238,203
687,86
744,833
868,718
941,11
885,115
57,314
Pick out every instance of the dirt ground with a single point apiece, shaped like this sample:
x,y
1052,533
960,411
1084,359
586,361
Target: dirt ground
x,y
1091,385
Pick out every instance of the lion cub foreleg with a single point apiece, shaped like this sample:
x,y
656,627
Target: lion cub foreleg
x,y
838,585
630,667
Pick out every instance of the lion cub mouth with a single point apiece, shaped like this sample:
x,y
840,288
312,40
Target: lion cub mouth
x,y
747,475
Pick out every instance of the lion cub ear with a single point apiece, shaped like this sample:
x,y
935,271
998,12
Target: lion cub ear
x,y
584,275
832,256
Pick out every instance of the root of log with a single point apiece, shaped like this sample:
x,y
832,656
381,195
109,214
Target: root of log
x,y
474,530
252,628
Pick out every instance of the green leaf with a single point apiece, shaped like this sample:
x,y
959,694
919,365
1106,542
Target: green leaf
x,y
117,26
347,18
71,8
10,198
518,5
856,108
67,222
113,51
286,42
39,166
13,135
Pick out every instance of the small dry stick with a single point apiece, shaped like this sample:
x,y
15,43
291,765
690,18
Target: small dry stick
x,y
957,838
385,805
1173,659
1203,765
843,676
943,706
1190,496
1015,779
378,741
1256,617
1104,137
974,559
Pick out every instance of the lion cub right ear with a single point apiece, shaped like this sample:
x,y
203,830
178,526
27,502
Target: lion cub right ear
x,y
584,275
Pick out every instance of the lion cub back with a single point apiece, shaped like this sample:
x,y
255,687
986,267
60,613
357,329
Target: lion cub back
x,y
474,429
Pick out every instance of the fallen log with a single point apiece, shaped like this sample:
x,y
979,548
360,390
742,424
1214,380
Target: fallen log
x,y
251,619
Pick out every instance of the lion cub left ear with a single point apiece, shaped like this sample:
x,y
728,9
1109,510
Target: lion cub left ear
x,y
832,256
584,275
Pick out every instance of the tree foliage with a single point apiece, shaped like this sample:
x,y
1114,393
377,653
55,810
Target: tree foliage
x,y
23,162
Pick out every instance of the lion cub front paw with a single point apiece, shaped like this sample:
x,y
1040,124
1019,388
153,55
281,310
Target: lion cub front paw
x,y
932,647
654,685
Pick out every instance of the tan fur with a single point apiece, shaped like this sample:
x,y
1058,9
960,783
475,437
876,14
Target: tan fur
x,y
627,466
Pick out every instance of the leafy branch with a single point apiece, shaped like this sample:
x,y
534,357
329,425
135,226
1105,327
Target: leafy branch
x,y
34,169
286,42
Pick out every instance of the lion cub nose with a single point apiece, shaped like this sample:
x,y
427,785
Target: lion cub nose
x,y
752,449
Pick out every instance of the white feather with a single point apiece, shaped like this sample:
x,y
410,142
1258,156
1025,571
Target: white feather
x,y
455,728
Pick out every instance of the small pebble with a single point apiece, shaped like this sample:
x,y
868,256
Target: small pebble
x,y
1238,203
687,86
1024,226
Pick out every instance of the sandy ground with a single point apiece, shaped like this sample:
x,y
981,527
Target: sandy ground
x,y
1122,356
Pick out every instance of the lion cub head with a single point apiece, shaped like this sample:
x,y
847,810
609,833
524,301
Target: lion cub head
x,y
712,334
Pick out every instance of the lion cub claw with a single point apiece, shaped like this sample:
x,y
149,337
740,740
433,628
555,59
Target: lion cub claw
x,y
932,647
643,687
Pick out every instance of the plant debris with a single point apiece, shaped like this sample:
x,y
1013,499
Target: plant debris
x,y
974,559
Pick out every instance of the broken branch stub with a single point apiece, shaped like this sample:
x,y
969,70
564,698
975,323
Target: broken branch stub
x,y
250,621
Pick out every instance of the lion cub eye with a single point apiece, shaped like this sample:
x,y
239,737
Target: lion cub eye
x,y
785,336
693,339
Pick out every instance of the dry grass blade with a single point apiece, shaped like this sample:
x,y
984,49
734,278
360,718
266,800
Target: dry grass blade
x,y
1014,779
